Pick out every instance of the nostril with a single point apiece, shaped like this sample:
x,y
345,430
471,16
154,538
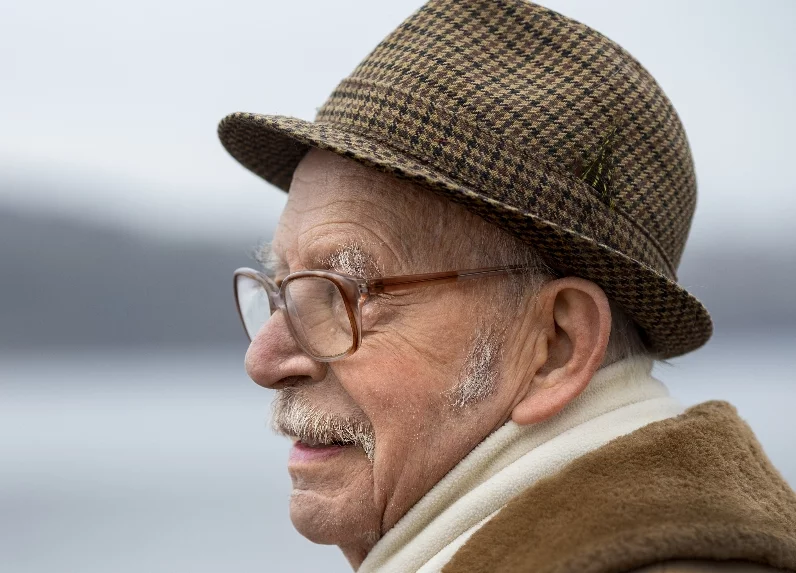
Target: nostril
x,y
291,381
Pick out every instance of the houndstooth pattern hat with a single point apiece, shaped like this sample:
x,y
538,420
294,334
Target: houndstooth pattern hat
x,y
537,123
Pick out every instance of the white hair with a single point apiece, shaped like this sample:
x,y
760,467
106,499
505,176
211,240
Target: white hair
x,y
625,339
295,416
487,245
479,375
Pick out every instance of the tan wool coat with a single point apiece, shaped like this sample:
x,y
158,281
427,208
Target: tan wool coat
x,y
691,494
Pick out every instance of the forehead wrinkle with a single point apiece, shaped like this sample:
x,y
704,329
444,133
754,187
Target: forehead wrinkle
x,y
337,247
348,187
389,219
413,222
339,173
419,221
354,219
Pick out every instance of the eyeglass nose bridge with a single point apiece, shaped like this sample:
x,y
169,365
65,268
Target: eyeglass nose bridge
x,y
274,293
275,299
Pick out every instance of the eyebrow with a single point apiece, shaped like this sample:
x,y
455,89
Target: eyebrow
x,y
351,259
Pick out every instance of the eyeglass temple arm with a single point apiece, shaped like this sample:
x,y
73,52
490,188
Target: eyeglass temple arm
x,y
389,284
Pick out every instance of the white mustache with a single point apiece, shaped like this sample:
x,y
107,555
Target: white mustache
x,y
295,417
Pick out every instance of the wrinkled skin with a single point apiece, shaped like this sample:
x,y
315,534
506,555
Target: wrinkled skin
x,y
414,346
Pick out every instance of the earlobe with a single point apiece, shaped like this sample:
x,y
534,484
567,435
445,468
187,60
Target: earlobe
x,y
543,403
575,346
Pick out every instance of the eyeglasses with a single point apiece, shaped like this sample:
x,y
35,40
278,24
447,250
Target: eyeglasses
x,y
324,308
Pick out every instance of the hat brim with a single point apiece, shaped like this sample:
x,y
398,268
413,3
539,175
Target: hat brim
x,y
674,321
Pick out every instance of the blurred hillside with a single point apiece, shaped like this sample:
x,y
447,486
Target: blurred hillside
x,y
64,283
69,283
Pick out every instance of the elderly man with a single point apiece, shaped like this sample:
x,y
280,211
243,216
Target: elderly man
x,y
462,302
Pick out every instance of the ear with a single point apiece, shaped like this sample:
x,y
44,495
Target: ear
x,y
577,320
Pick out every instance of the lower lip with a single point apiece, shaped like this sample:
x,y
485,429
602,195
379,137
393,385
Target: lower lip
x,y
303,453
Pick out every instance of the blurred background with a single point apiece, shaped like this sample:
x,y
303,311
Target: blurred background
x,y
130,437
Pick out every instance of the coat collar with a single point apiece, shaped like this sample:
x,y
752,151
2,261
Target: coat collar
x,y
695,487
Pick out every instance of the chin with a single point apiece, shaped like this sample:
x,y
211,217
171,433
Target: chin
x,y
317,517
338,520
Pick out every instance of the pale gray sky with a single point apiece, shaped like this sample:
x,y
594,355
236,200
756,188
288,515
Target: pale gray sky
x,y
108,110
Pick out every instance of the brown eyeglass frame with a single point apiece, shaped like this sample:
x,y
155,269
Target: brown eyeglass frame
x,y
355,291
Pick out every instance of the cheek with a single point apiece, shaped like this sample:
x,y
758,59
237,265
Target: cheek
x,y
403,386
390,383
402,398
401,380
410,359
432,335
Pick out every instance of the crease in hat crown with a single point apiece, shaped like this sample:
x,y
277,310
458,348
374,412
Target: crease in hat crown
x,y
536,122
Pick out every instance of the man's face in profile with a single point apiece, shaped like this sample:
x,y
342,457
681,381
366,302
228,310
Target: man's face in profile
x,y
421,390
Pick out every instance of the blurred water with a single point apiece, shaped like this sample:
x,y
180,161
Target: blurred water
x,y
131,461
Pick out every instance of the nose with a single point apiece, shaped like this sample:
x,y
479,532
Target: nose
x,y
274,357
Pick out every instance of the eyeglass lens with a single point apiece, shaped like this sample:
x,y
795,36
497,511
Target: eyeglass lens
x,y
253,303
316,310
319,316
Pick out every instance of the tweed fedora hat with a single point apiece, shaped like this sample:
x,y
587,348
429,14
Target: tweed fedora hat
x,y
537,123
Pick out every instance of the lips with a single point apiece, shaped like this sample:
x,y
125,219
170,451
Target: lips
x,y
306,450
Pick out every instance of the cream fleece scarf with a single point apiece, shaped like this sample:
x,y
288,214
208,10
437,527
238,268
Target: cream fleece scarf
x,y
620,399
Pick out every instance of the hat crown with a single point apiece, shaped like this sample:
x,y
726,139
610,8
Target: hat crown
x,y
533,121
547,91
